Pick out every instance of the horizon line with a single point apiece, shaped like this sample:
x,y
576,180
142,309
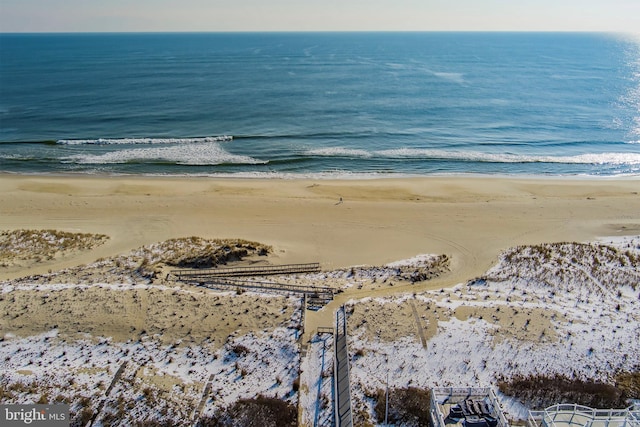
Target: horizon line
x,y
321,31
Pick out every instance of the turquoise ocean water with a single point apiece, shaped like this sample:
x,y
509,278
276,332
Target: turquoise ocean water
x,y
320,104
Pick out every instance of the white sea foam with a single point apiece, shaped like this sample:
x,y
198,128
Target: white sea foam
x,y
452,77
418,153
344,175
339,152
189,154
132,141
16,157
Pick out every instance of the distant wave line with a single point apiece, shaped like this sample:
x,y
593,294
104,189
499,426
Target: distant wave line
x,y
204,139
146,141
337,136
325,135
168,162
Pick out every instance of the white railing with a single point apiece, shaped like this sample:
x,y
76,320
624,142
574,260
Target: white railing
x,y
584,416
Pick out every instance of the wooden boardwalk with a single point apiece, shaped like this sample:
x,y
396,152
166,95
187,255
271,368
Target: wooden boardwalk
x,y
316,296
244,284
203,399
262,270
115,379
342,394
423,339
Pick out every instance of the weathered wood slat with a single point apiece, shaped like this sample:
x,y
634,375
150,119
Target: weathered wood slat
x,y
264,270
260,285
343,416
231,279
317,296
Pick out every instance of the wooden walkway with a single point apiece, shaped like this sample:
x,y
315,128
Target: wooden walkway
x,y
115,379
423,339
317,296
232,283
236,278
203,399
263,270
342,394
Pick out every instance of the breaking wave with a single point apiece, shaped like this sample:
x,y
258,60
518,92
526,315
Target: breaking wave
x,y
145,141
339,152
471,156
190,154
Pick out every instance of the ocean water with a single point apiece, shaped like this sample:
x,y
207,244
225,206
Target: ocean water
x,y
320,104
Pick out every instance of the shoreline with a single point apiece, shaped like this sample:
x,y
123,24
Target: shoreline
x,y
378,221
323,176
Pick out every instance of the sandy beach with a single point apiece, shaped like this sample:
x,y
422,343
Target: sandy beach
x,y
471,219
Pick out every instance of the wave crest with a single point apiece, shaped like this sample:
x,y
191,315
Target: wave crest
x,y
338,152
610,158
145,141
192,155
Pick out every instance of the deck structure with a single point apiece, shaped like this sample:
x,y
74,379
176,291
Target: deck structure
x,y
466,407
572,415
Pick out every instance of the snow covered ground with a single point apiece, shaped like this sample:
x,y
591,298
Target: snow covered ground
x,y
555,309
317,379
158,382
569,309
